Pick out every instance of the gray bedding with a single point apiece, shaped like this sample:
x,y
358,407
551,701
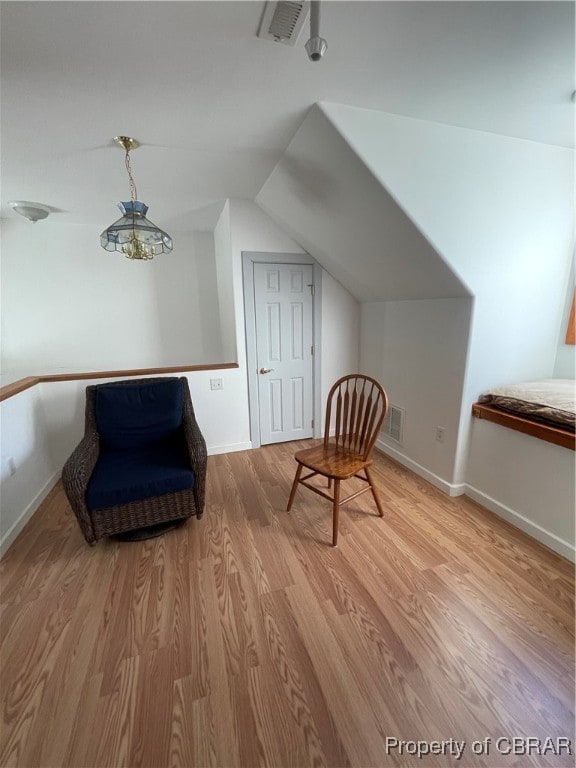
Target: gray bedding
x,y
550,401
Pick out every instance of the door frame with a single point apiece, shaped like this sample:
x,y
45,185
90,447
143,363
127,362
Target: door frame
x,y
249,258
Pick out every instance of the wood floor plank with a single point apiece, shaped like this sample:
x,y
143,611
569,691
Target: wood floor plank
x,y
114,728
192,741
362,609
220,544
346,699
152,726
269,543
551,619
244,639
65,692
534,648
81,727
226,745
300,683
503,673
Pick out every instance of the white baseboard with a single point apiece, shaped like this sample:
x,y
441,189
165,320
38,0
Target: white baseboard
x,y
214,449
548,538
450,489
27,514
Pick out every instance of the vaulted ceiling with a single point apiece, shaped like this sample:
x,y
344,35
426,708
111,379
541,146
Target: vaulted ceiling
x,y
215,106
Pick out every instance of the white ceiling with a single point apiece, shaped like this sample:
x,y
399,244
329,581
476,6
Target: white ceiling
x,y
215,106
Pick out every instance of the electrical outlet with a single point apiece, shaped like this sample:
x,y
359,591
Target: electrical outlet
x,y
216,384
440,432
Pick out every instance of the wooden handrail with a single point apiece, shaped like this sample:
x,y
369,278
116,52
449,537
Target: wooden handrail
x,y
9,390
17,386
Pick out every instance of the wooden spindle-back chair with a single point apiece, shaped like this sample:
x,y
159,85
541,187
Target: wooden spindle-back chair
x,y
355,411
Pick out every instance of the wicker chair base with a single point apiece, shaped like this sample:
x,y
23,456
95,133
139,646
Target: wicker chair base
x,y
143,514
152,532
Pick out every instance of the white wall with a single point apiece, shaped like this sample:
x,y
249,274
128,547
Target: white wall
x,y
186,297
28,469
340,336
527,481
68,305
417,350
225,282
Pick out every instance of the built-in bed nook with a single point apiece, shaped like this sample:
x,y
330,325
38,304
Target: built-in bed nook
x,y
544,409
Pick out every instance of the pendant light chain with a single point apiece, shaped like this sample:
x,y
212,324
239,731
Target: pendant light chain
x,y
133,192
134,248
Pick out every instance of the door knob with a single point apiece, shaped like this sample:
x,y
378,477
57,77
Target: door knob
x,y
266,370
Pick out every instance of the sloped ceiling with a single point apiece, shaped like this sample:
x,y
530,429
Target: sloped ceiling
x,y
491,205
328,200
215,106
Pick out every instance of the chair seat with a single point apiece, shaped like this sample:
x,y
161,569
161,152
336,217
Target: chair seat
x,y
331,461
124,476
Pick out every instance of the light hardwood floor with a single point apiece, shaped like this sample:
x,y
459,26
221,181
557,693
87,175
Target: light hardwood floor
x,y
245,639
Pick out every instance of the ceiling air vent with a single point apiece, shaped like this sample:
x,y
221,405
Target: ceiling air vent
x,y
394,423
282,22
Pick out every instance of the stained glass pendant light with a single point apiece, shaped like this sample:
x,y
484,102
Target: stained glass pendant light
x,y
134,235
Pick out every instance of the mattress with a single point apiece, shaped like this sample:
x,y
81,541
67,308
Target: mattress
x,y
549,401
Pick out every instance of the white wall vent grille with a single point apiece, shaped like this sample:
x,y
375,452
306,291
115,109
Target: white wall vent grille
x,y
282,21
394,423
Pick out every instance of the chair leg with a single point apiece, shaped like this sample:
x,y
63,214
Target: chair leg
x,y
335,512
294,486
373,489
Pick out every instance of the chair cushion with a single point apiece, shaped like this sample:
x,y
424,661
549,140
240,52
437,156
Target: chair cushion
x,y
136,415
121,477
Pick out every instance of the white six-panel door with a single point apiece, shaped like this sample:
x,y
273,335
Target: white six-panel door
x,y
283,312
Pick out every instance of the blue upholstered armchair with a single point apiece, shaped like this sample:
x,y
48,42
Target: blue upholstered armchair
x,y
142,460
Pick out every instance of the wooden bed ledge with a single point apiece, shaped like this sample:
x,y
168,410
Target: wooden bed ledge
x,y
551,434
